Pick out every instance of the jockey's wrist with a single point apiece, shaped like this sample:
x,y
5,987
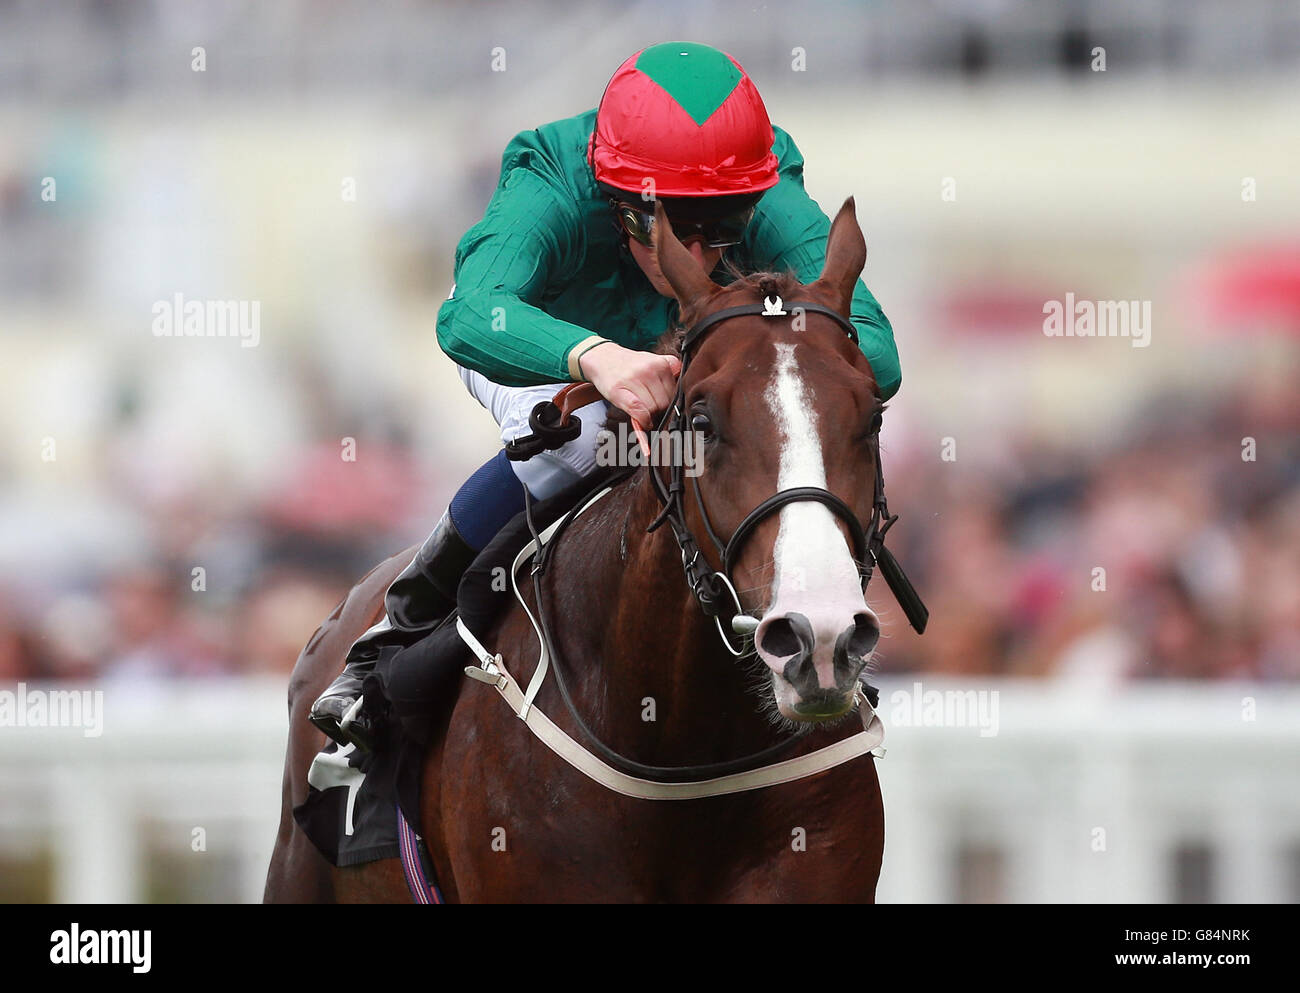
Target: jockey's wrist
x,y
578,351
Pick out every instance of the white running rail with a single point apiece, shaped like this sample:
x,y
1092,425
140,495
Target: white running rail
x,y
1081,795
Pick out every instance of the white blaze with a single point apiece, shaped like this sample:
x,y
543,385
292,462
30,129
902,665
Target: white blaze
x,y
815,574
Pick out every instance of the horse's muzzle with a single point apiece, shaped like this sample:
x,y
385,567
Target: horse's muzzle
x,y
816,672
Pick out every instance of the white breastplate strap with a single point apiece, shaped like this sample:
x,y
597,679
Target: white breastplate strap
x,y
493,672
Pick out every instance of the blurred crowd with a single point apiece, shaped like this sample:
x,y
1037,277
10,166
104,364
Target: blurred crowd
x,y
207,590
1172,551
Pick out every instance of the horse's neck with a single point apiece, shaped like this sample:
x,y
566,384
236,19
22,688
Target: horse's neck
x,y
649,667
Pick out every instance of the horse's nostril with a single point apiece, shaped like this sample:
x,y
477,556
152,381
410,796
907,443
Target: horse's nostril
x,y
865,634
779,639
788,635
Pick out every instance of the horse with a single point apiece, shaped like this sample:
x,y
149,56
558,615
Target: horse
x,y
787,408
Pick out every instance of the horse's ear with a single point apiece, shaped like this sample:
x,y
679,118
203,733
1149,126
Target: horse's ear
x,y
846,255
689,282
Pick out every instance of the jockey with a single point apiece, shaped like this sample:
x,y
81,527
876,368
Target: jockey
x,y
548,291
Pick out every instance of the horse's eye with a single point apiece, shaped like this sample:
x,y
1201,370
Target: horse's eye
x,y
876,421
702,424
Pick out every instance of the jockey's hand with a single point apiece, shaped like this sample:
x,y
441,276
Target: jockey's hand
x,y
640,383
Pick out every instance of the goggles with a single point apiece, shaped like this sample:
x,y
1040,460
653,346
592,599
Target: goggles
x,y
717,233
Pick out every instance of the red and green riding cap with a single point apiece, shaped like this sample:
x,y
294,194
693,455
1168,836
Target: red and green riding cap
x,y
688,118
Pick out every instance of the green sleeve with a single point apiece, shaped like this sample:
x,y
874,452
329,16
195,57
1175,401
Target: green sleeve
x,y
530,238
789,232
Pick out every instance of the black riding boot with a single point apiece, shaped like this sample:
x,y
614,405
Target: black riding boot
x,y
419,598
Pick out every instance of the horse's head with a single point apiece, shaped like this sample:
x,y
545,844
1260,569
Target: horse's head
x,y
779,404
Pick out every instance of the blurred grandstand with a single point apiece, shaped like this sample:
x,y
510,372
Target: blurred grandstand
x,y
995,169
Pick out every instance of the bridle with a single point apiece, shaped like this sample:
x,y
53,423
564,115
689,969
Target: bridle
x,y
552,424
713,588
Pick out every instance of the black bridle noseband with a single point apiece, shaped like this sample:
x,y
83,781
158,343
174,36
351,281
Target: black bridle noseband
x,y
713,588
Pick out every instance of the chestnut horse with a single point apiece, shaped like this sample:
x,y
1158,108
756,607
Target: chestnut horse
x,y
779,406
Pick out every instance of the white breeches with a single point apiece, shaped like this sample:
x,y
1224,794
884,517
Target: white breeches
x,y
548,473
